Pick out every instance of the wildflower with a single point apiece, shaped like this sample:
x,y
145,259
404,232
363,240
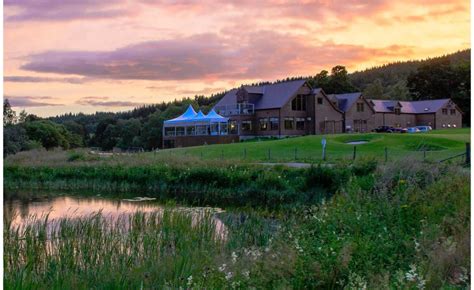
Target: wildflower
x,y
222,268
234,257
228,276
190,281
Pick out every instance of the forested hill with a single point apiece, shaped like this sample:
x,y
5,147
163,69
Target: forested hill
x,y
392,73
442,77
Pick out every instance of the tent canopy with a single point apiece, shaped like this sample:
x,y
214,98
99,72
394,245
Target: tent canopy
x,y
185,117
190,117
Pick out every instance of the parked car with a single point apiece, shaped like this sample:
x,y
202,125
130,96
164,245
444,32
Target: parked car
x,y
413,130
383,129
398,130
424,128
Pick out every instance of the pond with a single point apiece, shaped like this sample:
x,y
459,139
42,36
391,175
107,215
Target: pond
x,y
22,212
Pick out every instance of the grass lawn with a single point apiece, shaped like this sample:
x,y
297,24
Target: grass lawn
x,y
438,144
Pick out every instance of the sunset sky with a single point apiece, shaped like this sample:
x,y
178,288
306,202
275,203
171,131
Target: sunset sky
x,y
90,55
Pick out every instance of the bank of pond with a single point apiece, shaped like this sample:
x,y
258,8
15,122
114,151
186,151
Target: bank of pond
x,y
350,226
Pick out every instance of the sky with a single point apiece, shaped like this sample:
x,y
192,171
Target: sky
x,y
75,56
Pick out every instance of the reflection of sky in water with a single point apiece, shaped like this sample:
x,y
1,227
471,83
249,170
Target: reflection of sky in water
x,y
78,207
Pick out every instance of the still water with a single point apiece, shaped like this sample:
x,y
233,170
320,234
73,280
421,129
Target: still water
x,y
21,212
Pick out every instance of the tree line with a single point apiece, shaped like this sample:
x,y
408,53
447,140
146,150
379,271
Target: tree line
x,y
443,77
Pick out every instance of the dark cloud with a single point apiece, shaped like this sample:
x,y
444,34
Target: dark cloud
x,y
28,79
106,102
263,54
30,101
61,10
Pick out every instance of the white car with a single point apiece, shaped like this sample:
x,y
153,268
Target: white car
x,y
424,128
413,130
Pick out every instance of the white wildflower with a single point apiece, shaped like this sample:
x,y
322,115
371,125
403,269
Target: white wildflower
x,y
228,276
190,280
222,268
234,257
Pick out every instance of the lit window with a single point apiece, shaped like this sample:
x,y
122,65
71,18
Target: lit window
x,y
263,124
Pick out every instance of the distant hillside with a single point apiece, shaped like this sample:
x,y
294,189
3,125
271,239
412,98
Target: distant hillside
x,y
390,74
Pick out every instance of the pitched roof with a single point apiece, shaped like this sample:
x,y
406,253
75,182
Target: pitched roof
x,y
273,95
345,101
410,107
186,116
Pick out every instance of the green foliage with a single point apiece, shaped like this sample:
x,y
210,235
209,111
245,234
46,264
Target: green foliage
x,y
374,237
76,155
50,134
9,116
407,227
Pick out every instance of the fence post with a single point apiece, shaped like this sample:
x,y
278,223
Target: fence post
x,y
296,153
468,153
324,153
386,154
354,153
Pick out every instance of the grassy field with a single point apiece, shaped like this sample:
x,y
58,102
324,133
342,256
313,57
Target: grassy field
x,y
404,225
437,144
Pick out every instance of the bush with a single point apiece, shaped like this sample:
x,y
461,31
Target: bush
x,y
76,156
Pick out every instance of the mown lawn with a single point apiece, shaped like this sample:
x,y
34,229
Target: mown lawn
x,y
435,145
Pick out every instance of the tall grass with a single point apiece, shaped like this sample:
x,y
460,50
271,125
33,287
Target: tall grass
x,y
238,185
395,226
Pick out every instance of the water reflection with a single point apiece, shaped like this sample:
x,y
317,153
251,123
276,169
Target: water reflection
x,y
72,207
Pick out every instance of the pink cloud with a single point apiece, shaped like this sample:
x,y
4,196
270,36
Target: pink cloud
x,y
263,54
30,101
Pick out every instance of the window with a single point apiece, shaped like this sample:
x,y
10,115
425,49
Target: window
x,y
274,123
246,125
445,111
190,131
453,111
233,127
298,103
320,101
289,123
169,131
397,111
360,107
263,124
299,123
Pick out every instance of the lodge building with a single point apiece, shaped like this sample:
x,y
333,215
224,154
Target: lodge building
x,y
293,108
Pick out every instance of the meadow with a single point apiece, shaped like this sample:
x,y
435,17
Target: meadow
x,y
337,224
432,146
398,225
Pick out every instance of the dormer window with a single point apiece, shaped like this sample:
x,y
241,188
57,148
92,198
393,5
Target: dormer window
x,y
397,111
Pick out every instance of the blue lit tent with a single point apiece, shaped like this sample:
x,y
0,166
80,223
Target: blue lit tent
x,y
191,123
184,118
